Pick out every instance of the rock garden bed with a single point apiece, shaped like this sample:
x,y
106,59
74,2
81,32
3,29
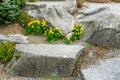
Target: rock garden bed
x,y
54,41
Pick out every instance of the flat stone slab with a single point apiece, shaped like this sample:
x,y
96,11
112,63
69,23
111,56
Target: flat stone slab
x,y
17,38
104,70
40,60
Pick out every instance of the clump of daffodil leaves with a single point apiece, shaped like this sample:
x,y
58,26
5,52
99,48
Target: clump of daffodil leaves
x,y
38,27
77,32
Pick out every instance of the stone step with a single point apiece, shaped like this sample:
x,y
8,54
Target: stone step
x,y
108,69
17,38
40,60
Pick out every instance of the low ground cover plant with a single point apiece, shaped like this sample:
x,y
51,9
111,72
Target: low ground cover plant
x,y
53,34
67,40
76,34
6,51
38,27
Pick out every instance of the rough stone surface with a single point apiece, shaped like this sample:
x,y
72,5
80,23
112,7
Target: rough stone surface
x,y
57,13
40,60
3,37
56,16
104,70
69,35
101,23
18,38
69,5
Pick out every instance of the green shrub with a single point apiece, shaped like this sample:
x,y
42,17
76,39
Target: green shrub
x,y
24,19
6,51
20,3
9,12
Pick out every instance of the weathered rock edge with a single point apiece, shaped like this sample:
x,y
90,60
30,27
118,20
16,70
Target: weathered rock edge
x,y
17,38
40,60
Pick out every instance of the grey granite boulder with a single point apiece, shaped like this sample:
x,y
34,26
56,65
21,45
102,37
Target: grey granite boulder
x,y
105,70
70,6
18,38
57,13
40,60
107,31
56,16
101,23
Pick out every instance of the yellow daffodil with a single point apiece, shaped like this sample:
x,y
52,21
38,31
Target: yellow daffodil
x,y
38,22
81,29
68,38
30,23
80,32
34,21
50,31
43,22
56,28
32,26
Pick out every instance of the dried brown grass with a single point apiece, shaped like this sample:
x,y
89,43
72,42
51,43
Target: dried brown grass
x,y
99,1
86,60
79,3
